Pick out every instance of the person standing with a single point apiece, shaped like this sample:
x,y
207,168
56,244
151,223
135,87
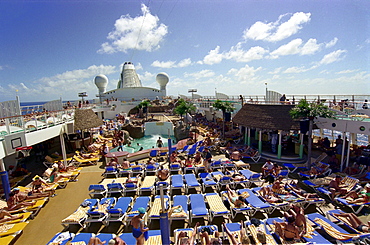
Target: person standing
x,y
138,228
159,142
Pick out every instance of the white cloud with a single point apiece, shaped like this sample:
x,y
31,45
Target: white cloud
x,y
146,77
184,63
163,64
331,43
277,31
213,57
200,74
276,71
287,49
295,69
240,55
68,83
172,64
245,74
347,71
295,47
141,33
310,47
332,57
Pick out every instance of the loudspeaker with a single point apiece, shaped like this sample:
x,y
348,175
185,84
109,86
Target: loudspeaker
x,y
227,116
304,125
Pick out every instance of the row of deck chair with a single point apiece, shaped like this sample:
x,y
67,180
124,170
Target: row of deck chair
x,y
10,230
84,238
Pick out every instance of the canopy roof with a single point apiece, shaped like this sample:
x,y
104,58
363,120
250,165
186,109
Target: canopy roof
x,y
86,119
272,117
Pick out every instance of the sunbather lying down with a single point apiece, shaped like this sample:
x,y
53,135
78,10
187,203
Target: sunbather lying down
x,y
359,197
354,221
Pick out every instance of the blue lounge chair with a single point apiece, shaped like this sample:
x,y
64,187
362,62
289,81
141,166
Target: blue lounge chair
x,y
151,169
84,208
316,237
177,183
312,217
198,207
129,187
175,168
216,206
82,237
154,212
223,180
115,189
284,206
176,232
256,203
248,211
96,215
356,208
97,190
208,181
148,184
61,238
111,171
293,167
141,201
117,213
216,165
251,176
331,213
191,182
182,201
183,149
192,151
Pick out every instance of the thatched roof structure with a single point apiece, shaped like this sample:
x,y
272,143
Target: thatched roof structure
x,y
271,117
86,119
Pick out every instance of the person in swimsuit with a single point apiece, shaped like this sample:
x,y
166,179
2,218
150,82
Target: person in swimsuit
x,y
138,228
300,219
236,199
5,216
184,239
96,241
355,221
243,237
13,204
288,231
163,174
359,197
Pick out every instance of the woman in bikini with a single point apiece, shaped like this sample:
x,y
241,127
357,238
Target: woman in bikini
x,y
288,231
235,199
355,222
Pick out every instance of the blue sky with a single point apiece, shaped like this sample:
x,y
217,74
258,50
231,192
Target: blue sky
x,y
51,49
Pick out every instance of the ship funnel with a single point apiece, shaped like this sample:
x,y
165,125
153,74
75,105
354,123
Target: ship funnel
x,y
129,77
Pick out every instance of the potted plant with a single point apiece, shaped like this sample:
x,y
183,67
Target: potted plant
x,y
305,110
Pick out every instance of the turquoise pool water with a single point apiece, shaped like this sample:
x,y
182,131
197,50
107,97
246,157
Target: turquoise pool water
x,y
147,142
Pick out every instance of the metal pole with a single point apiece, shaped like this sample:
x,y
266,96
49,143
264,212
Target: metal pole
x,y
63,146
348,148
260,141
343,149
169,149
301,146
164,223
309,144
279,146
4,179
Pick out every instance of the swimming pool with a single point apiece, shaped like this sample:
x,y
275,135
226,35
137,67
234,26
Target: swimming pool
x,y
147,142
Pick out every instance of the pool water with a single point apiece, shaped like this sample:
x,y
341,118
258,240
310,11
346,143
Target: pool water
x,y
147,142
